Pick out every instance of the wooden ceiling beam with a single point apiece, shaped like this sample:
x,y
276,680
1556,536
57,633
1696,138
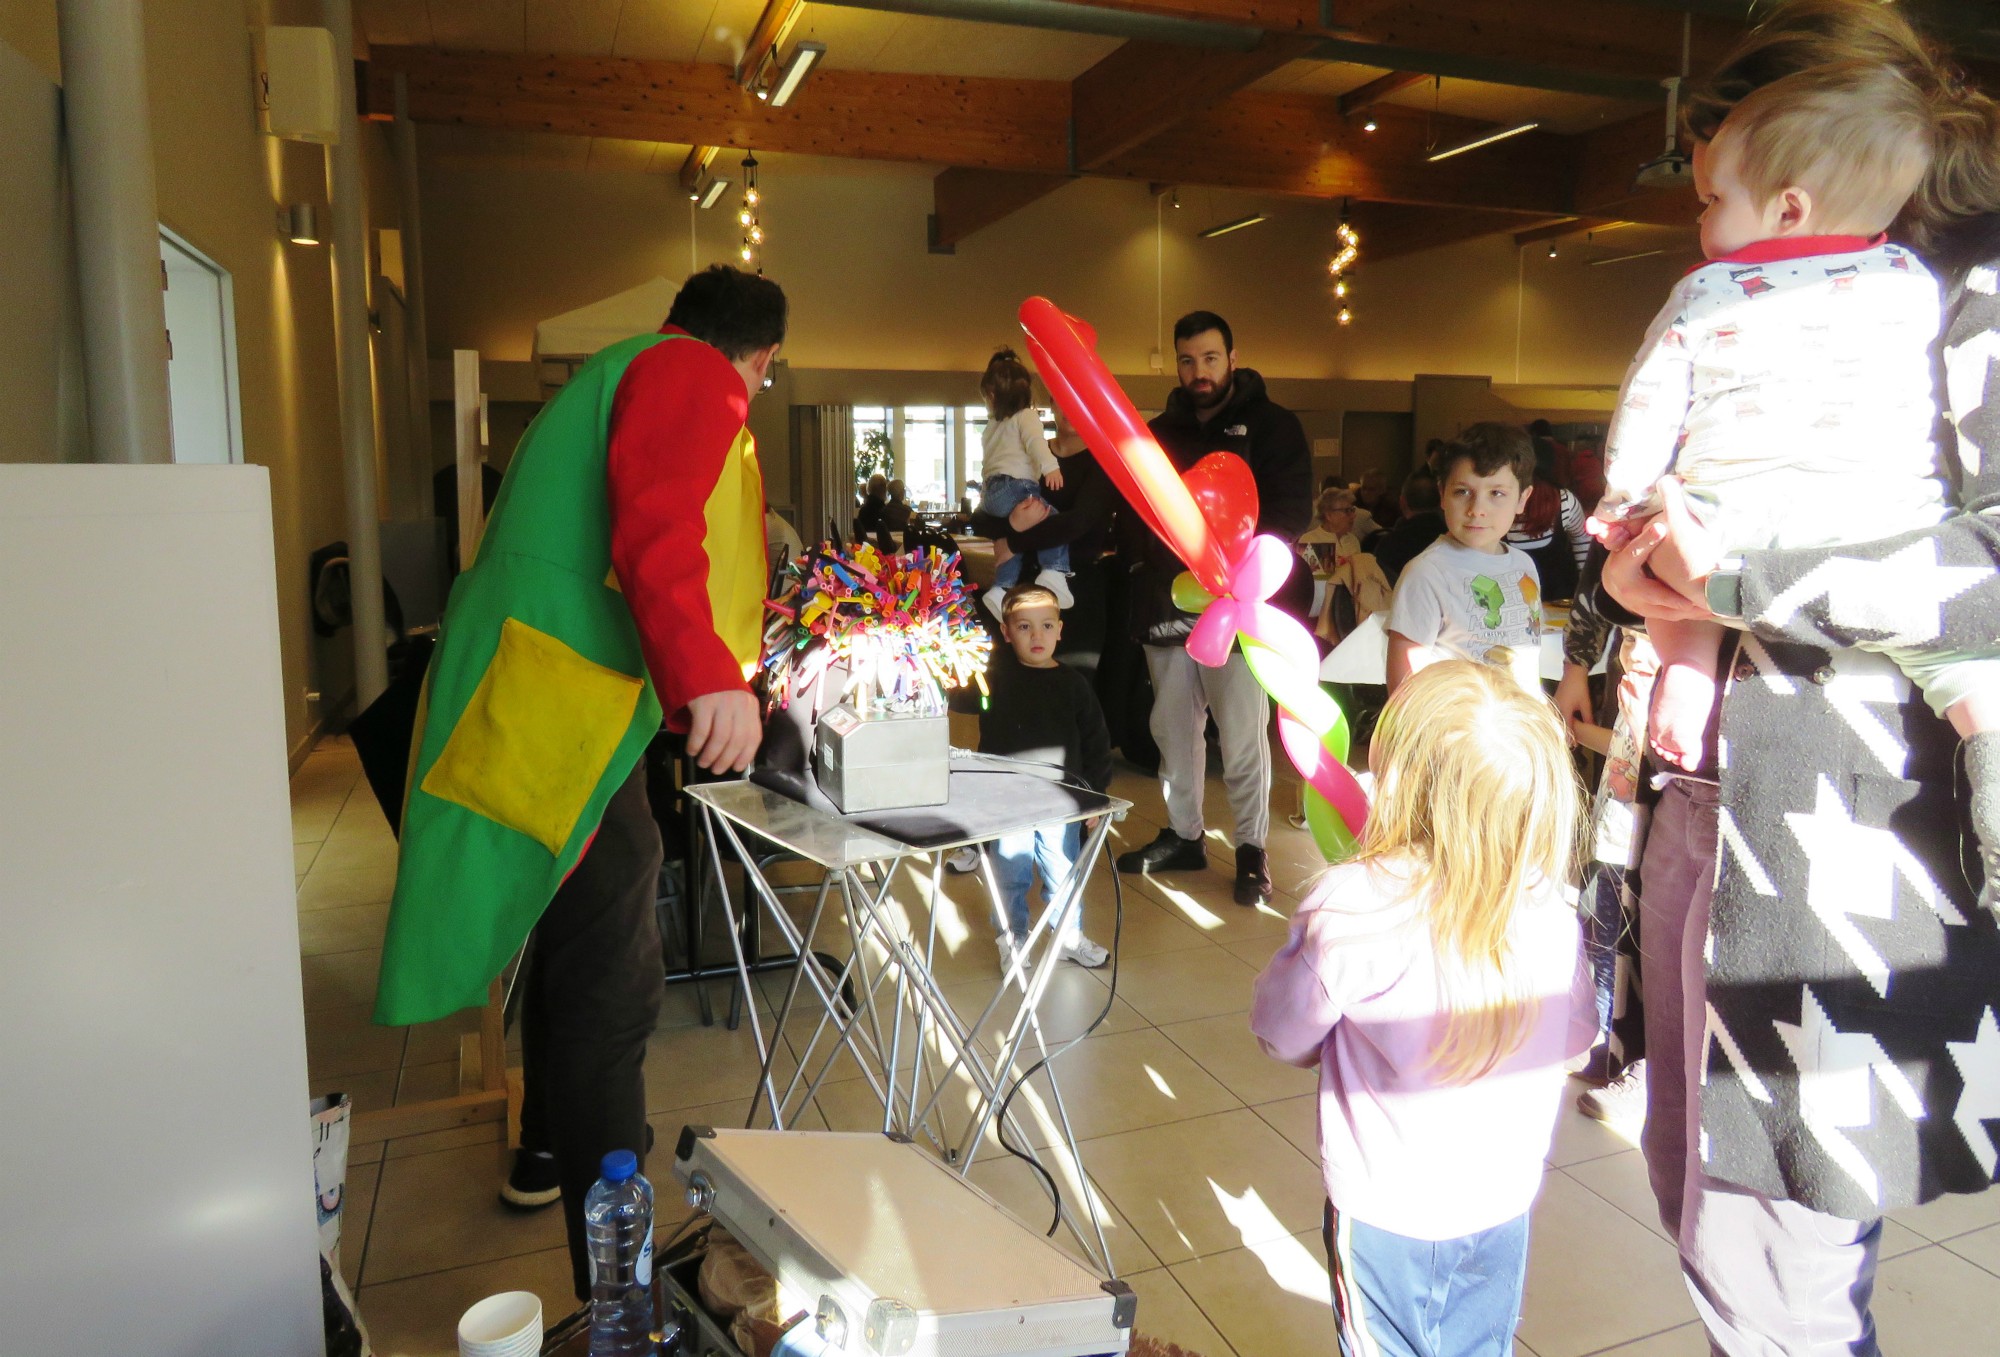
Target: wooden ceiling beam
x,y
1380,88
1143,88
1388,230
1568,226
696,166
765,37
1604,37
964,201
1605,164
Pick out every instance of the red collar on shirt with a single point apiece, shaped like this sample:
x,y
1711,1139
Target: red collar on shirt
x,y
1795,247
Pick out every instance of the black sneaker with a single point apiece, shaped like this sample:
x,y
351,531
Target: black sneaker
x,y
1167,853
1253,875
533,1184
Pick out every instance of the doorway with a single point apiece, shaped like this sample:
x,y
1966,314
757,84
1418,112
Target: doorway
x,y
201,355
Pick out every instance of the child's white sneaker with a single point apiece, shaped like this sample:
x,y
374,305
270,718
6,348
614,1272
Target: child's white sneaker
x,y
960,861
1057,583
1085,953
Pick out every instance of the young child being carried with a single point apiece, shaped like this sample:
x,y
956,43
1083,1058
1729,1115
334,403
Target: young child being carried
x,y
1470,595
1437,984
1043,711
1016,464
1787,383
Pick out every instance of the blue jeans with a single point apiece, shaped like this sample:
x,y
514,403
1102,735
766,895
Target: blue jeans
x,y
998,495
1015,857
1400,1297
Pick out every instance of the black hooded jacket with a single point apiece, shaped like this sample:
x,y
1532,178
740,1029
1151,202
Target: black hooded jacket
x,y
1261,432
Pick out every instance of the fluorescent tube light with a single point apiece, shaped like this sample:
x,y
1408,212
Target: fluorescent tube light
x,y
1624,258
805,56
1483,139
1226,227
713,191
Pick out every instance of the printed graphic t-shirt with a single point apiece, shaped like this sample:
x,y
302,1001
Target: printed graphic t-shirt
x,y
1465,602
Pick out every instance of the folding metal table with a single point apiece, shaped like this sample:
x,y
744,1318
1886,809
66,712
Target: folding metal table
x,y
895,996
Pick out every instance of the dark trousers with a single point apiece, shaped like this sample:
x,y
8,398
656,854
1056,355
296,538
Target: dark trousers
x,y
592,997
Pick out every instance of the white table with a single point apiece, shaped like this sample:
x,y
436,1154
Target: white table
x,y
887,953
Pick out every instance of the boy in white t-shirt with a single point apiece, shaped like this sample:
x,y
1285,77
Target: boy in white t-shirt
x,y
1470,595
1016,463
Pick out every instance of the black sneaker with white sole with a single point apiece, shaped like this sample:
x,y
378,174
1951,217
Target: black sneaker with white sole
x,y
1168,852
533,1183
1253,875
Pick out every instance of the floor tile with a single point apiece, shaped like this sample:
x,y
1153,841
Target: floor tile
x,y
1180,986
486,1134
1150,929
1689,1340
1075,999
1934,1302
1621,1179
1950,1216
1596,1277
426,1083
1123,1082
1212,909
438,1211
1257,952
1268,1299
1212,1183
376,852
431,1042
1297,1120
1168,1314
1226,1048
353,928
303,855
1578,1137
344,980
1981,1247
333,888
342,1041
356,1211
369,1092
688,1066
1016,1186
419,1317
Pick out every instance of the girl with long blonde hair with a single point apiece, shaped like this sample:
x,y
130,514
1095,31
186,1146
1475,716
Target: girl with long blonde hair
x,y
1436,982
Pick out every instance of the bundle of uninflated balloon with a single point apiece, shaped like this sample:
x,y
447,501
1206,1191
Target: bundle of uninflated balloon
x,y
1208,515
900,625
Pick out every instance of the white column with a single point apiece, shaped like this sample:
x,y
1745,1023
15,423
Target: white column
x,y
109,129
357,397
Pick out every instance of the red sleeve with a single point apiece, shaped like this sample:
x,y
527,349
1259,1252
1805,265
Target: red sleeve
x,y
674,419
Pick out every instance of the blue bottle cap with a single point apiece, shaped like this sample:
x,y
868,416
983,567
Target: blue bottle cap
x,y
620,1165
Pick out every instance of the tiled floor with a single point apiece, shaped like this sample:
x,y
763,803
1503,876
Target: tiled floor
x,y
1200,1147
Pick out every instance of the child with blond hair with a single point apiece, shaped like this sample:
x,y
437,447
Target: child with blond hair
x,y
1436,982
1786,390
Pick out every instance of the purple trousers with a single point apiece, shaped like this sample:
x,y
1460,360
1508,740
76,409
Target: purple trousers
x,y
1770,1278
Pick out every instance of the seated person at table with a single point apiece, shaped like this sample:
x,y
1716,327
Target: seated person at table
x,y
1043,712
1017,463
1470,595
1419,525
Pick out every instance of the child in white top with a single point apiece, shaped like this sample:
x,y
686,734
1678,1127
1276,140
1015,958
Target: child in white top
x,y
1017,464
1470,594
1787,383
1436,983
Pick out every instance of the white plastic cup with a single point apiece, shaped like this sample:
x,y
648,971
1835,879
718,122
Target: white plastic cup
x,y
506,1325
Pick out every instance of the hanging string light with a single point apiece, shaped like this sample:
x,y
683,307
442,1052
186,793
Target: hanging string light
x,y
1341,266
747,215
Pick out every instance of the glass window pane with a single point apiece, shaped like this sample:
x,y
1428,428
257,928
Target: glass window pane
x,y
926,456
975,449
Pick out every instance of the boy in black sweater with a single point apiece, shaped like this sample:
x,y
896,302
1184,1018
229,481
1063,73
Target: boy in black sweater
x,y
1042,711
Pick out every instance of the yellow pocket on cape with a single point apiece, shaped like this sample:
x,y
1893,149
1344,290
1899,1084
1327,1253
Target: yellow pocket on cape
x,y
537,736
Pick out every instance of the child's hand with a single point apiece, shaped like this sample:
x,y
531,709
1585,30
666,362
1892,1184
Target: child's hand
x,y
1054,479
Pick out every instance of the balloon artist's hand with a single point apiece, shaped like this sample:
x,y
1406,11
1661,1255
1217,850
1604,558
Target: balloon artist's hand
x,y
1573,698
1626,578
724,730
1027,513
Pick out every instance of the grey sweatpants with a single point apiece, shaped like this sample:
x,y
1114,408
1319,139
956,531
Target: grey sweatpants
x,y
1184,693
1770,1278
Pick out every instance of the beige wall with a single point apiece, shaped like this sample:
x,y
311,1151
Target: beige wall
x,y
220,182
849,249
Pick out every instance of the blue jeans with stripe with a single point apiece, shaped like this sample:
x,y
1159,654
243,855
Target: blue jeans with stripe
x,y
1399,1297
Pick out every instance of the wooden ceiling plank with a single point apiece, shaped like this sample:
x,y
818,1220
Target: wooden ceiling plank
x,y
769,30
1609,37
1378,89
695,167
1556,230
1144,88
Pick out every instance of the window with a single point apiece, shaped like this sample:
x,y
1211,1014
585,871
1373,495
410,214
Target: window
x,y
874,454
975,450
927,455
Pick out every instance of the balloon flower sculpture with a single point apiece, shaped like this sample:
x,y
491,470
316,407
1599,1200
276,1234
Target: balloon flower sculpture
x,y
1208,515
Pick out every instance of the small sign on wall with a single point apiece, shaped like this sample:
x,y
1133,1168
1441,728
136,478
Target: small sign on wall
x,y
1326,458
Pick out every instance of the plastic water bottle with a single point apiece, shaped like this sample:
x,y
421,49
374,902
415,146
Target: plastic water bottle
x,y
618,1226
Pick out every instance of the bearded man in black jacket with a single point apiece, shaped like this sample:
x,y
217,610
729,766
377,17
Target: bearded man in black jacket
x,y
1218,407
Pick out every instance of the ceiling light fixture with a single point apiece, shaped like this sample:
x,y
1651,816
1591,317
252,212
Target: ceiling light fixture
x,y
1483,139
1552,249
753,230
805,56
298,224
713,192
1237,225
1342,264
1368,126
